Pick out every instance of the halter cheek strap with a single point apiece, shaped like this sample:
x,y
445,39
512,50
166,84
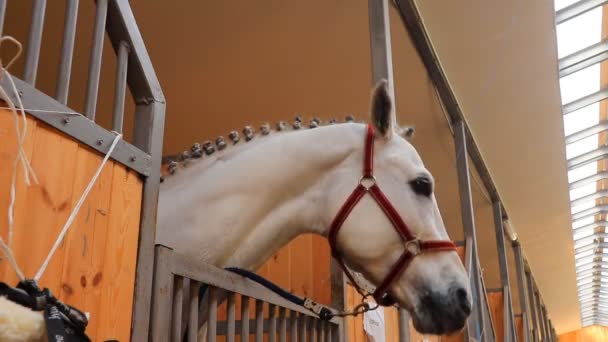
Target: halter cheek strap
x,y
413,245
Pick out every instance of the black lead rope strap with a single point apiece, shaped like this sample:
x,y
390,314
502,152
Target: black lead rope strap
x,y
64,323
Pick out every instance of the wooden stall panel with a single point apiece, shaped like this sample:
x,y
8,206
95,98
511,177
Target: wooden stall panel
x,y
496,303
588,334
94,268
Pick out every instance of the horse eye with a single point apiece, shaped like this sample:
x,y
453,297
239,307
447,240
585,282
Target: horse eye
x,y
422,186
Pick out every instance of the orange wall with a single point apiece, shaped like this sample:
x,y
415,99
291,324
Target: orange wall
x,y
589,334
94,268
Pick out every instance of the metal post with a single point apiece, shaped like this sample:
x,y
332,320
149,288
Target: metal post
x,y
523,294
33,42
380,43
67,51
509,320
120,89
96,54
539,310
476,321
2,13
533,311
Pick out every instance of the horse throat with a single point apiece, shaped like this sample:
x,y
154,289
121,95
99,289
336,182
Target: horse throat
x,y
243,207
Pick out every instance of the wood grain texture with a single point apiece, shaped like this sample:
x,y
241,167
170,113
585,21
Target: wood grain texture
x,y
94,268
496,303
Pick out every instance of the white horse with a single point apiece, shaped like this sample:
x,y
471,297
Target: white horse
x,y
238,206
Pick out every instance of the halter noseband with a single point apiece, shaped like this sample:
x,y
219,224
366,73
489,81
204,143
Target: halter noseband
x,y
413,245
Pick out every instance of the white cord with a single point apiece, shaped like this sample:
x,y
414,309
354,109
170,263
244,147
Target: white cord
x,y
72,216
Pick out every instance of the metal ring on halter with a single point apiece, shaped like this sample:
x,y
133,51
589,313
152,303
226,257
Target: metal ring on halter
x,y
413,246
371,179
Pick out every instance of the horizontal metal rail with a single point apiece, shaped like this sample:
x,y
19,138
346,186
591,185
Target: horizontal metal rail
x,y
576,9
600,209
587,132
585,101
590,197
584,58
588,157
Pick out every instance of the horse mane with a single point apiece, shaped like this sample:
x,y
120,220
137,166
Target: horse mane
x,y
198,151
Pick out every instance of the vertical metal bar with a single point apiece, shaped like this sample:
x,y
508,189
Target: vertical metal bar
x,y
321,328
193,314
212,318
476,321
310,329
244,318
293,326
163,295
67,51
546,321
2,14
282,325
533,311
541,319
120,89
178,300
33,42
272,325
509,320
259,320
521,287
404,326
327,331
96,56
231,317
302,328
380,45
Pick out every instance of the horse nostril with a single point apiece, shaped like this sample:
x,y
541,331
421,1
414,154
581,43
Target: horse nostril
x,y
463,301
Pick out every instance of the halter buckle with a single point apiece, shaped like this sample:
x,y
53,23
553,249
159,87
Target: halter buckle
x,y
367,181
413,247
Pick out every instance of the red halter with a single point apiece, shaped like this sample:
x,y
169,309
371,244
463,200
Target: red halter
x,y
413,246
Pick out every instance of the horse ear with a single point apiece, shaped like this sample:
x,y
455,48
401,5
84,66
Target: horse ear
x,y
383,110
407,133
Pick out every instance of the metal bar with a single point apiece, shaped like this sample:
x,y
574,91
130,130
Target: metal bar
x,y
259,320
212,315
67,51
326,332
404,326
585,101
596,224
178,300
96,58
380,45
272,333
193,314
597,209
541,318
521,287
293,326
533,312
587,132
231,318
282,325
590,197
509,321
588,157
576,9
33,42
546,320
310,329
302,328
476,320
120,89
2,15
583,58
244,318
163,295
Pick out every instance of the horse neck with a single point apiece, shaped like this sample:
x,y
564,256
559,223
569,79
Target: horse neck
x,y
246,205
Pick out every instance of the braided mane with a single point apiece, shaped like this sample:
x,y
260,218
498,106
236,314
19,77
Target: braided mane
x,y
198,151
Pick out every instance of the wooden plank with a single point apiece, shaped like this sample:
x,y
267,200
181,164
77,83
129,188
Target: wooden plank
x,y
496,303
321,262
117,281
85,242
302,275
519,328
8,152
